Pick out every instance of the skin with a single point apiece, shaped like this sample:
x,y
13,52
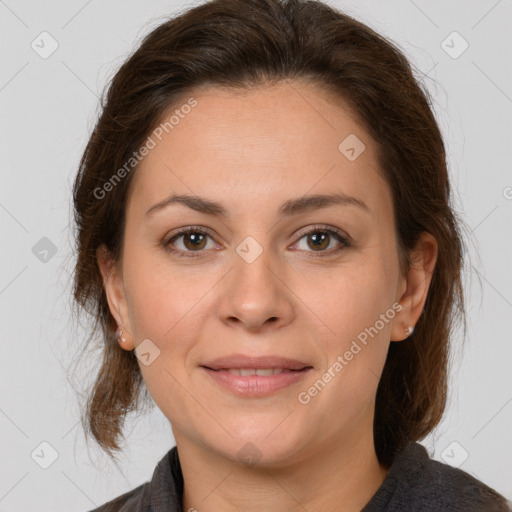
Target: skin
x,y
251,151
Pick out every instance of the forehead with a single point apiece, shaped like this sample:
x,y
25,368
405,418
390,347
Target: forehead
x,y
245,147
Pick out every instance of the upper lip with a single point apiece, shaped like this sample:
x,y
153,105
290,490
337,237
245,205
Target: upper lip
x,y
243,361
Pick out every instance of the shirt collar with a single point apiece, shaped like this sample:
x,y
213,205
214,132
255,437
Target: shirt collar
x,y
166,487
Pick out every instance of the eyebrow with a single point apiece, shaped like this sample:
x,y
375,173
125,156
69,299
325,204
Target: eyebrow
x,y
288,208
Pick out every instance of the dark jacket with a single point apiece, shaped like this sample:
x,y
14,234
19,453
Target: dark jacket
x,y
414,483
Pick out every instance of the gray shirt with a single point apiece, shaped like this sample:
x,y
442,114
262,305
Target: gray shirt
x,y
414,483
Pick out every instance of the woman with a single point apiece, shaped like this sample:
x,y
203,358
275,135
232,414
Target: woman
x,y
265,237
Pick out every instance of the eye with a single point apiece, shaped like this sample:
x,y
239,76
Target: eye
x,y
321,238
194,241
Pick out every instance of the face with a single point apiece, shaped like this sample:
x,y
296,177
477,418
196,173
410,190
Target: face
x,y
308,281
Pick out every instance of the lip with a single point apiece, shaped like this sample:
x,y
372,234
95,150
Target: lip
x,y
243,361
255,385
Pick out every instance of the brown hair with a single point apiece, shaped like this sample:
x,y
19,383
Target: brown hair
x,y
246,43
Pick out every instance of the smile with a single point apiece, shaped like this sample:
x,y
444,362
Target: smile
x,y
264,372
255,382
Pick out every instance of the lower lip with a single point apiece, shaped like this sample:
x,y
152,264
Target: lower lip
x,y
256,385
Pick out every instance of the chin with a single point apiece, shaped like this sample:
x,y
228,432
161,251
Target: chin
x,y
258,450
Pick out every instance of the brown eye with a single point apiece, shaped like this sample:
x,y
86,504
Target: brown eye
x,y
318,241
194,241
322,240
191,239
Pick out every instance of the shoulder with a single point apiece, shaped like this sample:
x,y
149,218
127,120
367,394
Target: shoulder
x,y
165,487
127,502
462,489
415,482
454,489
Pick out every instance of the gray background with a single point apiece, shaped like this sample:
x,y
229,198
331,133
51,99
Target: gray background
x,y
48,108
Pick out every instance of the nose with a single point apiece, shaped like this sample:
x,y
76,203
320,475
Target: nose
x,y
255,294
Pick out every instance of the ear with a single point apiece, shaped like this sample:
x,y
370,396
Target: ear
x,y
114,290
417,283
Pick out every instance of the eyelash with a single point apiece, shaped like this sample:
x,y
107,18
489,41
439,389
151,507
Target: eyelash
x,y
311,254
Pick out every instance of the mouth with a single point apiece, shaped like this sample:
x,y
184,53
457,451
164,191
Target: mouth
x,y
262,372
242,362
254,379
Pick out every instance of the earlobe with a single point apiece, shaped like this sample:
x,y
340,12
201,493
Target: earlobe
x,y
419,277
123,341
405,331
114,291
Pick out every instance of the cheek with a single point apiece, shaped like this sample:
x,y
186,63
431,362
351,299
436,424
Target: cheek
x,y
354,313
348,300
161,298
356,317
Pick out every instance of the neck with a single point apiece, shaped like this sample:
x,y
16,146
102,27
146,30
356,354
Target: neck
x,y
333,476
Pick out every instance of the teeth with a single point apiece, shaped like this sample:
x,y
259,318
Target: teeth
x,y
263,372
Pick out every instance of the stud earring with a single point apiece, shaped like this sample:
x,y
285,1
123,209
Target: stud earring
x,y
409,330
119,336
